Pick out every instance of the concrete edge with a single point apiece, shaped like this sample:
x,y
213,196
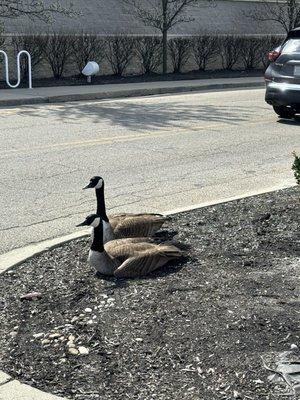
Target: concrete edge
x,y
251,193
11,389
17,256
128,93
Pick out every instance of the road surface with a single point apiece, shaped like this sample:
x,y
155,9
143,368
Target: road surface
x,y
155,154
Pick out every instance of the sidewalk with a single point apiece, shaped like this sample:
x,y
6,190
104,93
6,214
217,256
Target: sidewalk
x,y
13,97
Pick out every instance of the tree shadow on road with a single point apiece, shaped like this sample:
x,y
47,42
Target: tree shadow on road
x,y
140,116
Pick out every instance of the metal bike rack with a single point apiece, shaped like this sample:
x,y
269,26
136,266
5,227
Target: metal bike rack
x,y
18,69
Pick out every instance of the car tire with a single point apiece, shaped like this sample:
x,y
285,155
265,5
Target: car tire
x,y
284,112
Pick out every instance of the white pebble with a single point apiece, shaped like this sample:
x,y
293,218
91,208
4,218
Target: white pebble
x,y
294,347
83,350
88,310
73,351
38,335
54,336
110,300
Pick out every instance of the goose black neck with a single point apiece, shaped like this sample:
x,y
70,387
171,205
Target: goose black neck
x,y
97,243
101,209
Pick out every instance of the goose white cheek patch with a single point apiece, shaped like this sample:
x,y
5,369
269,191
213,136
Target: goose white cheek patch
x,y
99,184
95,223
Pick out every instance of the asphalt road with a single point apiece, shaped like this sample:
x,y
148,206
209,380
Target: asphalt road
x,y
155,154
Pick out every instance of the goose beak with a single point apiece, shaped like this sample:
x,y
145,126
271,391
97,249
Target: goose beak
x,y
89,186
84,223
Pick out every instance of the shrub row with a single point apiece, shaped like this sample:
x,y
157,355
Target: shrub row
x,y
62,52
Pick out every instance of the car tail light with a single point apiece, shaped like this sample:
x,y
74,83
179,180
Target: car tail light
x,y
268,78
273,55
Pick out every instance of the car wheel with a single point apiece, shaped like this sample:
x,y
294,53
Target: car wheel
x,y
284,112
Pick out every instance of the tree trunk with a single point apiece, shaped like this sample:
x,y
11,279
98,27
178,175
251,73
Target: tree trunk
x,y
165,51
165,35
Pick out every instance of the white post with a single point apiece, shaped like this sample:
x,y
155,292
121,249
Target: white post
x,y
18,69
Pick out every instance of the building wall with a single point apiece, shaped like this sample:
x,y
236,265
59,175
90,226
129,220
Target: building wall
x,y
108,17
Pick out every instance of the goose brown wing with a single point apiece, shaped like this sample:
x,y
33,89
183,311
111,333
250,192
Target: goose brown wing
x,y
138,225
148,261
122,249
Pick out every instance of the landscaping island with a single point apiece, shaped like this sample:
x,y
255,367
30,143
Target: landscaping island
x,y
194,330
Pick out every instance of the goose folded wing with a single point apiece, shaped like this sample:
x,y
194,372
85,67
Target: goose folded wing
x,y
122,249
138,225
147,262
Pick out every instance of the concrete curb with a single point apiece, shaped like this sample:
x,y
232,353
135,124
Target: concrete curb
x,y
18,256
11,389
126,93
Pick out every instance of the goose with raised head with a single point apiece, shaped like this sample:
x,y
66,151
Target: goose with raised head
x,y
124,225
129,260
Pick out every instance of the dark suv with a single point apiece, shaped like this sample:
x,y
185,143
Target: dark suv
x,y
283,77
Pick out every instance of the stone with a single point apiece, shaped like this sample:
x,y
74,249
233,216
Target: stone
x,y
88,310
111,300
73,351
138,339
70,344
38,335
83,350
54,336
294,347
71,338
13,334
45,342
31,296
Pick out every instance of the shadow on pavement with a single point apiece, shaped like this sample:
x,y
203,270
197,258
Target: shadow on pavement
x,y
142,116
295,121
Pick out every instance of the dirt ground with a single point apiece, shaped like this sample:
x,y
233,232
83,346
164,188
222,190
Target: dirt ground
x,y
195,330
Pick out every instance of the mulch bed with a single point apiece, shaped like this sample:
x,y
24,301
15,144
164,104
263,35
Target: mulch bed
x,y
111,79
194,330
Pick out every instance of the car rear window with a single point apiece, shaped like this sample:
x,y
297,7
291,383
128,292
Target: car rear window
x,y
291,46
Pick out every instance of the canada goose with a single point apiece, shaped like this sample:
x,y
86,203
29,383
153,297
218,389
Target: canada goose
x,y
124,225
129,260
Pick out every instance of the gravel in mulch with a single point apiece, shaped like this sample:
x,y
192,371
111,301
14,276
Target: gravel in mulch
x,y
193,330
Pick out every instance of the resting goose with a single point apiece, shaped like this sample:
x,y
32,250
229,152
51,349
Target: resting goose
x,y
125,260
123,225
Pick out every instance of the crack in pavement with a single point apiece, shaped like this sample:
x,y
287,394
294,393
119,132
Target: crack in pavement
x,y
7,381
40,222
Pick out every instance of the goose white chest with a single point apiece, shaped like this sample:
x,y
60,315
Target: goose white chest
x,y
101,262
107,232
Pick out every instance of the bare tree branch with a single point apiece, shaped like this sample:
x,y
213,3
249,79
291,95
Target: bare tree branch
x,y
163,15
286,13
35,9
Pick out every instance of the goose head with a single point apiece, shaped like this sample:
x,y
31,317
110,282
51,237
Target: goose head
x,y
91,220
96,182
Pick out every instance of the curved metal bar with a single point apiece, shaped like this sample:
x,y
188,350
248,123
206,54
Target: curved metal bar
x,y
18,69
